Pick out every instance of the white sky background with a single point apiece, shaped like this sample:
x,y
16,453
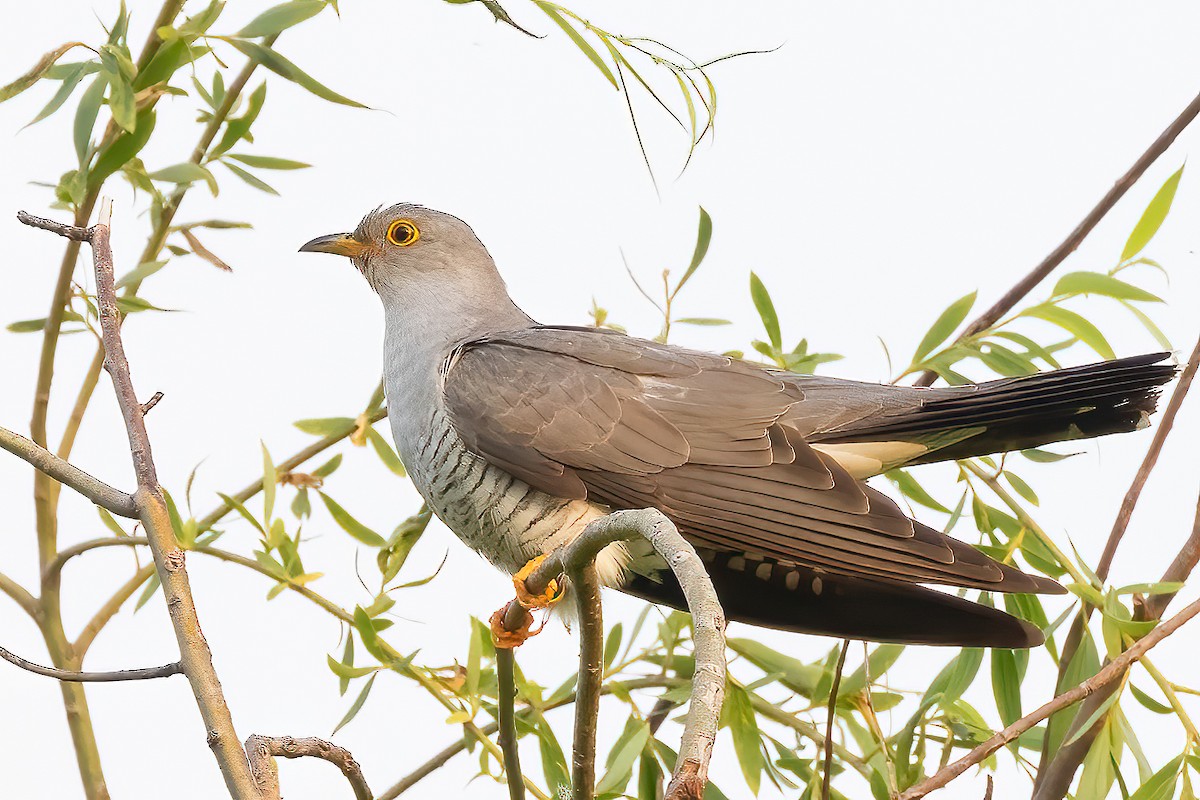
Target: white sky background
x,y
886,160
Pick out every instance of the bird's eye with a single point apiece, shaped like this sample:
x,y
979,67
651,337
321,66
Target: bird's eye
x,y
403,232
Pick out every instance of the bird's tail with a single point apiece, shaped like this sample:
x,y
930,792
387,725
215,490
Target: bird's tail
x,y
1020,413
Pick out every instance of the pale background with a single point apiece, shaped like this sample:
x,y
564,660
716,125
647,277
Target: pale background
x,y
887,159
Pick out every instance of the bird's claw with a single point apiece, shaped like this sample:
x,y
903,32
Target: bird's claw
x,y
552,593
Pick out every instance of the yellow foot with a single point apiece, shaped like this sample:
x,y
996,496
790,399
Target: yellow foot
x,y
504,635
527,599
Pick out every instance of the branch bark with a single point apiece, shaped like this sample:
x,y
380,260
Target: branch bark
x,y
94,489
1058,766
145,673
708,626
1113,671
506,695
586,584
195,655
262,751
1068,245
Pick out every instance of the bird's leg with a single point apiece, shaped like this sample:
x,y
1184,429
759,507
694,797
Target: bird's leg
x,y
513,624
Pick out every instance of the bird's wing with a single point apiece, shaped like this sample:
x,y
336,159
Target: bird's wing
x,y
629,423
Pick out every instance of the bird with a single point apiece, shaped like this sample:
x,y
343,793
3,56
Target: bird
x,y
519,434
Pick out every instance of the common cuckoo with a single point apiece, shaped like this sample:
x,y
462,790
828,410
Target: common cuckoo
x,y
518,434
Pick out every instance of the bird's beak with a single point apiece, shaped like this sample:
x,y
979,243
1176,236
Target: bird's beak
x,y
340,244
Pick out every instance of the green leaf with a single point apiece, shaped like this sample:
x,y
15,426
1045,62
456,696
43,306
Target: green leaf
x,y
1149,702
709,321
69,83
795,675
270,479
1101,284
1150,326
385,452
328,468
914,490
1006,685
240,507
552,11
1073,324
110,523
121,103
945,325
152,584
356,706
140,273
766,310
955,677
281,17
350,525
1161,785
26,326
703,237
281,66
186,173
239,128
739,716
122,151
879,661
1045,456
624,753
1152,217
251,179
268,162
326,426
1021,487
86,113
349,671
37,71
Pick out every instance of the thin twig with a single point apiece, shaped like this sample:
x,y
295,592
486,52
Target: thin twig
x,y
19,595
708,626
94,489
831,709
1059,765
151,403
143,674
586,585
1068,246
263,750
506,695
439,759
1114,670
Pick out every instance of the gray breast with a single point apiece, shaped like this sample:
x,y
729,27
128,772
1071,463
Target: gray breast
x,y
504,519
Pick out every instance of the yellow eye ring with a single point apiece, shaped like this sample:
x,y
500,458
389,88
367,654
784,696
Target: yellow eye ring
x,y
403,232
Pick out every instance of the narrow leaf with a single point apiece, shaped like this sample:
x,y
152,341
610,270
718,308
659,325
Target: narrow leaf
x,y
1152,217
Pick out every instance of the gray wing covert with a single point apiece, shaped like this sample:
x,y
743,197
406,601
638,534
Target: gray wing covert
x,y
578,412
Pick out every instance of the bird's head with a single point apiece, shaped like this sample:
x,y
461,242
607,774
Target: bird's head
x,y
408,243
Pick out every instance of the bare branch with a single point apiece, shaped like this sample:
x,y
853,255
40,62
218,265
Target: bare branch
x,y
1058,767
151,403
1111,672
440,758
144,674
831,709
263,750
1165,423
19,595
708,626
586,585
92,488
169,559
506,694
1068,246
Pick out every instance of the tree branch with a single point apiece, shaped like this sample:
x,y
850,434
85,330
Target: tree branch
x,y
19,594
262,751
708,625
1068,246
831,711
1058,766
586,585
169,559
1054,778
146,673
1113,671
106,612
506,693
44,461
